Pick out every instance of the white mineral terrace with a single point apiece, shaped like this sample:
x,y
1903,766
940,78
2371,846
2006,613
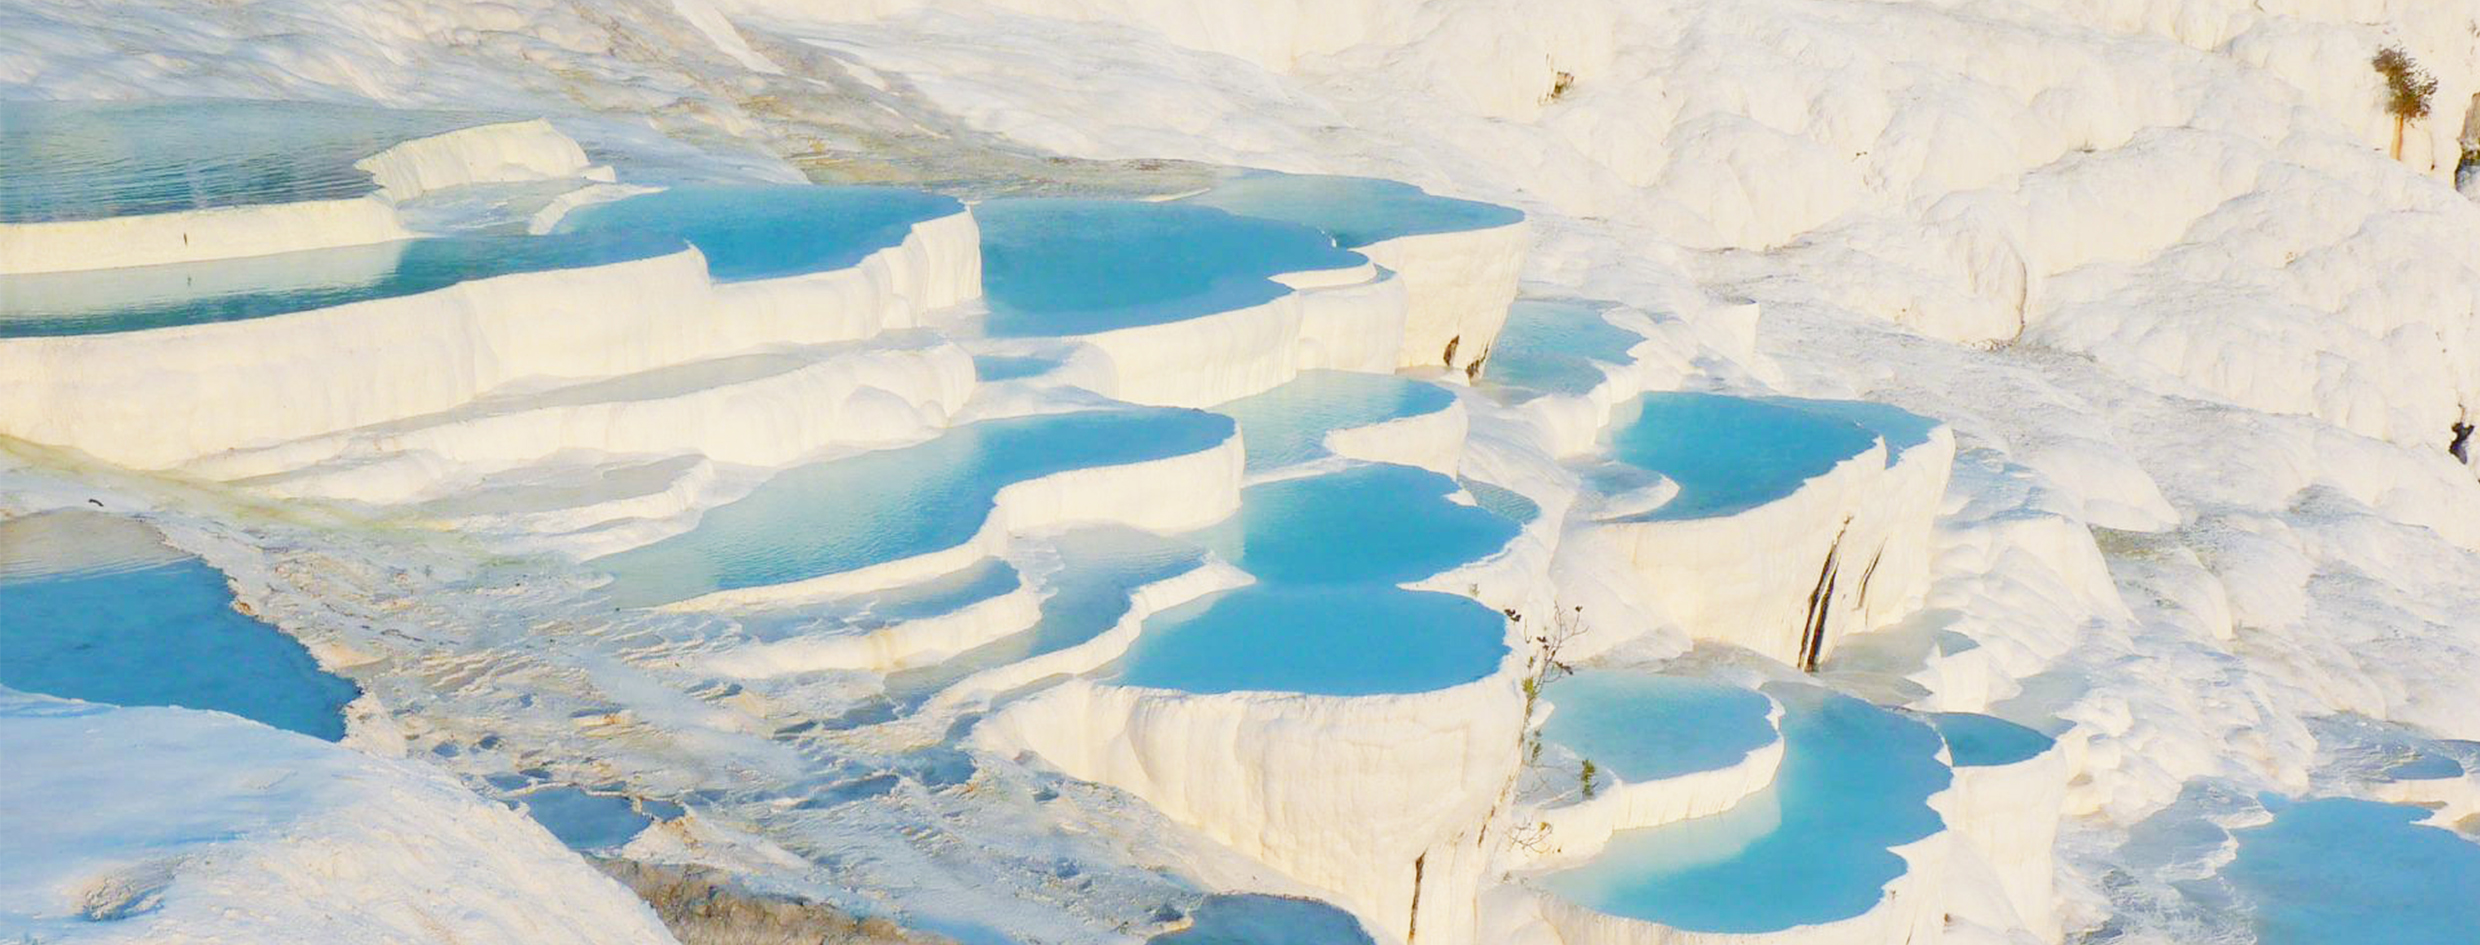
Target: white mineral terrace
x,y
1183,472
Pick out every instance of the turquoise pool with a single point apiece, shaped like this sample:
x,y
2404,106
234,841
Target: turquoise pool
x,y
1288,425
93,160
1646,727
1557,347
143,625
2337,870
1815,847
1058,267
1327,615
1333,639
745,232
1981,741
1356,211
847,514
1728,454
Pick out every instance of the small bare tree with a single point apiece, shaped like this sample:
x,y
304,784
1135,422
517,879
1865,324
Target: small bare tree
x,y
2408,90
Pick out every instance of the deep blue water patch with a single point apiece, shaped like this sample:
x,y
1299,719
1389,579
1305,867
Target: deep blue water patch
x,y
1974,740
1814,847
851,513
2426,766
1334,639
2339,870
1557,347
1074,267
583,820
1288,425
93,160
1728,454
1356,211
764,231
160,631
1646,727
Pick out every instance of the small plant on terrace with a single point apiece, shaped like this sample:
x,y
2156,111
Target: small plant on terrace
x,y
1588,775
2408,90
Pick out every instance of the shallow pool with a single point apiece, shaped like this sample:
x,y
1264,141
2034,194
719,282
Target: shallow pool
x,y
1075,267
2343,870
1646,727
584,820
745,232
1326,639
1288,425
1356,211
1378,522
96,607
765,231
1728,454
1557,347
1327,615
1974,740
1900,428
91,160
1814,847
846,514
1098,569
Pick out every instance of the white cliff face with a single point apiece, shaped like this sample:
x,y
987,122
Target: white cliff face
x,y
215,233
1457,289
202,827
1264,773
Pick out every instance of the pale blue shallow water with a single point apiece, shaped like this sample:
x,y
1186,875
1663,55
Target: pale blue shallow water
x,y
1330,639
2339,871
1646,727
745,232
1557,347
1288,425
161,634
91,160
981,581
1728,454
1900,428
1054,267
1974,740
1357,211
1501,501
1814,847
2424,768
143,297
999,367
1100,568
764,231
1372,523
846,514
1327,616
